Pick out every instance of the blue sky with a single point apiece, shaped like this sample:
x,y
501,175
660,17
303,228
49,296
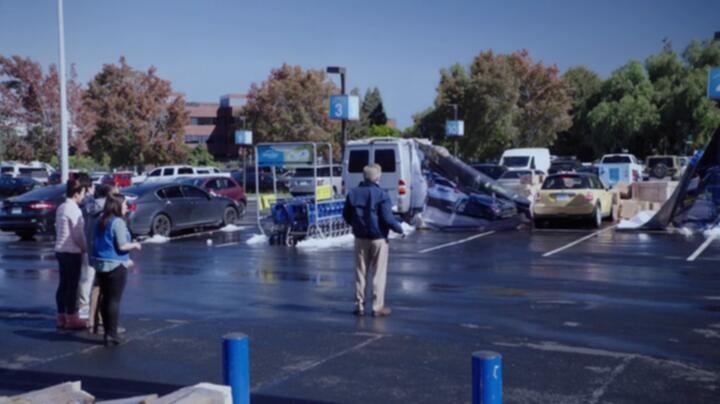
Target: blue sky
x,y
213,47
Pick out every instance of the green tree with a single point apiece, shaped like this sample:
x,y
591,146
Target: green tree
x,y
384,131
292,105
626,114
584,88
372,110
140,118
200,156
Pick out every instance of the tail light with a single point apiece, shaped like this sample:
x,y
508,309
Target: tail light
x,y
402,188
589,197
41,205
132,207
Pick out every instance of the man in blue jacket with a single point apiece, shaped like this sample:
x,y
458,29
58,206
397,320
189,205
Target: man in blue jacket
x,y
368,210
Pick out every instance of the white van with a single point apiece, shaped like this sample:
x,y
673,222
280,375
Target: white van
x,y
526,159
401,170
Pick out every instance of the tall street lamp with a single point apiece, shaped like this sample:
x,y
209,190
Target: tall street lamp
x,y
64,164
341,71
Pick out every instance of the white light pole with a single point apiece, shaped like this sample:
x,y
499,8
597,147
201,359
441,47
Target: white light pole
x,y
64,165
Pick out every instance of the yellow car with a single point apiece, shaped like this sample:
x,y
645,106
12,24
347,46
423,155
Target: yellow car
x,y
573,196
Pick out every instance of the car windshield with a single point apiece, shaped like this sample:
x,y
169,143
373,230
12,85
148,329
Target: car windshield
x,y
513,175
563,166
516,161
653,161
616,160
566,182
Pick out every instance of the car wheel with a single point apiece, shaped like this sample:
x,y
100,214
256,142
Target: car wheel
x,y
660,171
610,216
230,216
241,208
161,226
597,217
25,235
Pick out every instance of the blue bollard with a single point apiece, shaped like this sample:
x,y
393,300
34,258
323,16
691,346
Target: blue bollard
x,y
486,377
236,366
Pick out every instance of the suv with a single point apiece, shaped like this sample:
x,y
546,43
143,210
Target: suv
x,y
663,166
301,182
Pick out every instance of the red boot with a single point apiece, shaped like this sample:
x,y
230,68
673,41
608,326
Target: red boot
x,y
60,320
74,322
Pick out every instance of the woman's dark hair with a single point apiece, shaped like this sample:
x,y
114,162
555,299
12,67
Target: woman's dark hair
x,y
74,187
113,208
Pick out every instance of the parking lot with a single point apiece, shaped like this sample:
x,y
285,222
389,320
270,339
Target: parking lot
x,y
580,316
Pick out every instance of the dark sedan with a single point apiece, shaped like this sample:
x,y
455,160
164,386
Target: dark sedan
x,y
485,207
164,208
32,212
10,186
222,186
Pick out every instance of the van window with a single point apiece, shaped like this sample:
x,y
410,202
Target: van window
x,y
617,159
358,160
515,161
386,159
168,171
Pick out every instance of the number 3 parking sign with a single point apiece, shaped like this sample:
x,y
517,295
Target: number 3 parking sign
x,y
345,107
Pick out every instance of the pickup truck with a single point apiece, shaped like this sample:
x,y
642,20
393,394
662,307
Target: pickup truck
x,y
615,168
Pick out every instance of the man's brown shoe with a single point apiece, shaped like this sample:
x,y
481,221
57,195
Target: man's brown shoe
x,y
384,312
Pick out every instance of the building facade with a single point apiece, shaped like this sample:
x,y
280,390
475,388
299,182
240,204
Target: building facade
x,y
214,125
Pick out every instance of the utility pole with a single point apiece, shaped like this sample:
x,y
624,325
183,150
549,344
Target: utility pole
x,y
341,71
64,163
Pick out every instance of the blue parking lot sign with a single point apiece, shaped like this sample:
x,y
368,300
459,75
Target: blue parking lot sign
x,y
345,107
454,128
713,91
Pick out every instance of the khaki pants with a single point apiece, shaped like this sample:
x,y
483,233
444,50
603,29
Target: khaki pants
x,y
371,258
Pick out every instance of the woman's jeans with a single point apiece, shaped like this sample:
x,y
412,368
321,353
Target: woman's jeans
x,y
67,291
112,285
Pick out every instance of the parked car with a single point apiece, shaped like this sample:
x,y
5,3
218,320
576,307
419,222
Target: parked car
x,y
164,208
485,207
512,180
97,177
576,196
221,186
266,179
443,194
661,167
301,182
526,159
564,165
615,168
10,186
11,169
32,212
120,179
493,171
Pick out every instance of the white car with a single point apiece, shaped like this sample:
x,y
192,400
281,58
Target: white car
x,y
172,173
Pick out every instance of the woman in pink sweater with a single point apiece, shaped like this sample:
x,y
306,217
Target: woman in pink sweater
x,y
70,244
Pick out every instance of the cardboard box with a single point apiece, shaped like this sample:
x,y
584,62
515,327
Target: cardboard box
x,y
654,191
623,190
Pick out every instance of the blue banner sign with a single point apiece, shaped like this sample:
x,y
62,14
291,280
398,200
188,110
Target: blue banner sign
x,y
243,137
344,107
284,155
454,128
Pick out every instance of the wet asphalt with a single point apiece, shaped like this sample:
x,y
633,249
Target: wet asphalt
x,y
616,318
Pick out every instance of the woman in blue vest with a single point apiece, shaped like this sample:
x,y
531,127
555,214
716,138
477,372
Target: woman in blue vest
x,y
111,258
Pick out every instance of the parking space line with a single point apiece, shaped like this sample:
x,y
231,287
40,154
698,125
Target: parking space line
x,y
578,241
700,249
227,244
465,240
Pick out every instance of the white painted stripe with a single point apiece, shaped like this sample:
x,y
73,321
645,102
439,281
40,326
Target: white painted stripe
x,y
465,240
226,245
700,249
578,241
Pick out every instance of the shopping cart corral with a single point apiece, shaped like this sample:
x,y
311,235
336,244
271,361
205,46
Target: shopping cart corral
x,y
286,221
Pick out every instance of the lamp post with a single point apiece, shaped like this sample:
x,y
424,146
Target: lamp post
x,y
341,71
64,164
455,117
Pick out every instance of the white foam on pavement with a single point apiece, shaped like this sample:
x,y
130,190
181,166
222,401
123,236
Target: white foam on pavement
x,y
156,239
346,240
407,229
712,232
257,239
637,221
231,228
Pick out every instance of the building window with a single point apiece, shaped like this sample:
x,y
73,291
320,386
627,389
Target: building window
x,y
203,121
